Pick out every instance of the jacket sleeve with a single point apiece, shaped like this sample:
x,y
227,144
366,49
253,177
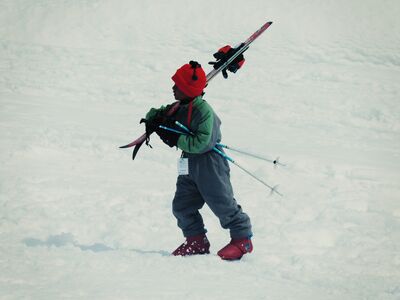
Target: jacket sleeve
x,y
154,111
204,138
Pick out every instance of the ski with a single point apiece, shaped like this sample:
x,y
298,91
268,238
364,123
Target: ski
x,y
243,47
139,140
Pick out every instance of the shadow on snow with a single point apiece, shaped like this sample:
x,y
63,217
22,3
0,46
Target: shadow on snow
x,y
65,239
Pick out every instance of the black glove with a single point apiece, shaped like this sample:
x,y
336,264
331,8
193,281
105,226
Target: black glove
x,y
159,119
150,128
223,55
168,137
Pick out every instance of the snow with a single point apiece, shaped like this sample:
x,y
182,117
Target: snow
x,y
320,89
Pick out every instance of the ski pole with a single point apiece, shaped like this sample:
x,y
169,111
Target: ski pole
x,y
171,129
275,162
183,127
272,188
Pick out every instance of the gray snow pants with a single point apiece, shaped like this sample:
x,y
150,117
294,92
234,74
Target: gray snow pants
x,y
208,182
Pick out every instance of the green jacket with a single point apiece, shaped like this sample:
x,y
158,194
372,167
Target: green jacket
x,y
205,125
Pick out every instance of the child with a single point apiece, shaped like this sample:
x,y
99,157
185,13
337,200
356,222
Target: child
x,y
204,176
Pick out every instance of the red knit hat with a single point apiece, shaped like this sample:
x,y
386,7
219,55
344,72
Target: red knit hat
x,y
190,79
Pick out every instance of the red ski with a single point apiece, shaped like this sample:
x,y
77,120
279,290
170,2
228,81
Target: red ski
x,y
243,47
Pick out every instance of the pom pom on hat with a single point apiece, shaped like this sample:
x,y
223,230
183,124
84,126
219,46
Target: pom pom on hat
x,y
190,79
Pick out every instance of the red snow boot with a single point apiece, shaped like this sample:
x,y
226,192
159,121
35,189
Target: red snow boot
x,y
236,248
198,244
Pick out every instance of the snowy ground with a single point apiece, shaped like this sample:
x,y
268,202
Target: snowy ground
x,y
320,89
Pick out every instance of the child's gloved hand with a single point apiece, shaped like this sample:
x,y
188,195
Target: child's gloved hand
x,y
152,123
168,137
223,55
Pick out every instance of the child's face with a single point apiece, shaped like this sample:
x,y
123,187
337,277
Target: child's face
x,y
178,94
